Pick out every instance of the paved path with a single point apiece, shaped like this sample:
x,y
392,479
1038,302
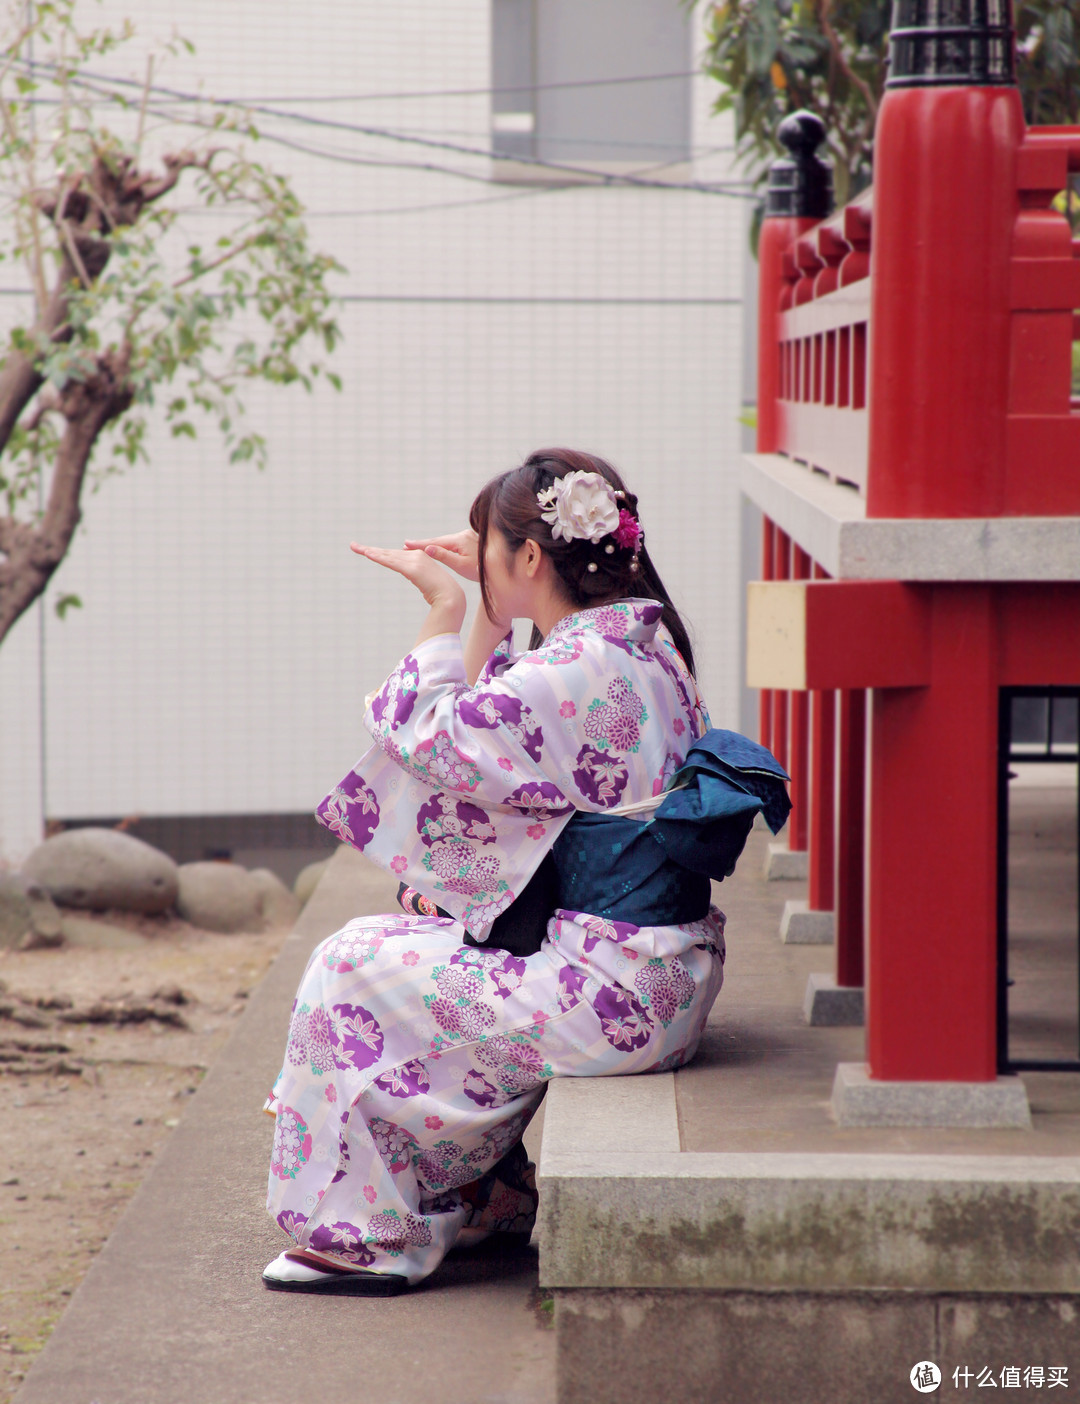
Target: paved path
x,y
173,1311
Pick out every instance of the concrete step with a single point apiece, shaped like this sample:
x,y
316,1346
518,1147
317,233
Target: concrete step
x,y
714,1234
766,1276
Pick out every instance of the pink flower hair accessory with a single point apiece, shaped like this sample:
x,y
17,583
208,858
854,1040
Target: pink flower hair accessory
x,y
628,533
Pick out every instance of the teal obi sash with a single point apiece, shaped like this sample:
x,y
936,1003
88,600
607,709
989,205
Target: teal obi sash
x,y
657,872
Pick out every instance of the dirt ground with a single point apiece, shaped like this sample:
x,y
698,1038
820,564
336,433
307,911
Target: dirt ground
x,y
100,1048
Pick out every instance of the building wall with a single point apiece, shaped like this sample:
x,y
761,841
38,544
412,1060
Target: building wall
x,y
228,636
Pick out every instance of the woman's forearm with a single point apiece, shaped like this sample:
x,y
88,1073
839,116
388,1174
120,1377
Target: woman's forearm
x,y
483,636
446,616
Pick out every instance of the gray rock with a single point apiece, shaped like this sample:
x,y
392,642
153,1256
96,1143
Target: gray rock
x,y
219,897
15,919
35,941
100,935
29,918
45,915
308,879
280,907
102,868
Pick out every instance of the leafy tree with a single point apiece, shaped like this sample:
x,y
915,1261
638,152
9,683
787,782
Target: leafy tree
x,y
774,56
127,309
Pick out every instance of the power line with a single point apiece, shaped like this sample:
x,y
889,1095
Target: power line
x,y
575,172
496,299
436,204
689,151
479,92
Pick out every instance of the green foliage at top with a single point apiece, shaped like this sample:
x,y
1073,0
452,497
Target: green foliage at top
x,y
775,56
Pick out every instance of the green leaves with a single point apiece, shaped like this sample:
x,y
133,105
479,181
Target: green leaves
x,y
66,602
774,56
1048,63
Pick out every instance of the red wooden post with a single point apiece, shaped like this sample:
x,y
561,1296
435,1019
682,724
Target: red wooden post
x,y
768,544
799,751
933,905
850,845
822,890
800,193
781,571
944,209
823,803
777,234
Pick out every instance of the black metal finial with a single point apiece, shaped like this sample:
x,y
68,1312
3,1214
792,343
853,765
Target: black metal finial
x,y
955,43
802,184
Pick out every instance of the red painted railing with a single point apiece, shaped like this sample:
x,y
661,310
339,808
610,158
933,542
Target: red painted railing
x,y
917,346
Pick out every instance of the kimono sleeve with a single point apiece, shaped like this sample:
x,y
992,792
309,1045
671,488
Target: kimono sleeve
x,y
456,797
497,743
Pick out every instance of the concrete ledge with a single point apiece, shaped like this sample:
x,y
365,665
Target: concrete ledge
x,y
832,1006
830,523
859,1100
781,864
811,1222
799,926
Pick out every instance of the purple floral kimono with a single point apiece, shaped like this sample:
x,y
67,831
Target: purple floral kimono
x,y
415,1061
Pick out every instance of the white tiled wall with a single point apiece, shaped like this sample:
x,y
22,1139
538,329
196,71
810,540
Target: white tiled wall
x,y
227,635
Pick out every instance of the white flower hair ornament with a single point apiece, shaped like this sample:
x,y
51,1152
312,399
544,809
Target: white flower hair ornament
x,y
580,507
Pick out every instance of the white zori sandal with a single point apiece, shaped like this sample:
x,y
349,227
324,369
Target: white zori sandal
x,y
288,1274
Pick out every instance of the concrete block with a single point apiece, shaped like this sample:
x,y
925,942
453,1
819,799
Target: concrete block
x,y
643,1347
1029,1330
832,1006
859,1100
634,1114
799,926
781,864
810,1222
639,1347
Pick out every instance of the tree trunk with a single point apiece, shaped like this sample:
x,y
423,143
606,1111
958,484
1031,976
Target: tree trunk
x,y
33,551
19,378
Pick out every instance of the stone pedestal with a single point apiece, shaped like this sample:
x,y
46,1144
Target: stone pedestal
x,y
859,1100
784,864
799,926
829,1005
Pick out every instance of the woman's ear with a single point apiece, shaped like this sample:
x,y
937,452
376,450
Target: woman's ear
x,y
533,558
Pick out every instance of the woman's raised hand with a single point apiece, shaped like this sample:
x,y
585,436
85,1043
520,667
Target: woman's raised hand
x,y
457,551
438,587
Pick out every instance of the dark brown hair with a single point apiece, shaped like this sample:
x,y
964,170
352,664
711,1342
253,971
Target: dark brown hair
x,y
509,504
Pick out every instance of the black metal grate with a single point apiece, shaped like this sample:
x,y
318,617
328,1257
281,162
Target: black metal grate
x,y
1035,724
